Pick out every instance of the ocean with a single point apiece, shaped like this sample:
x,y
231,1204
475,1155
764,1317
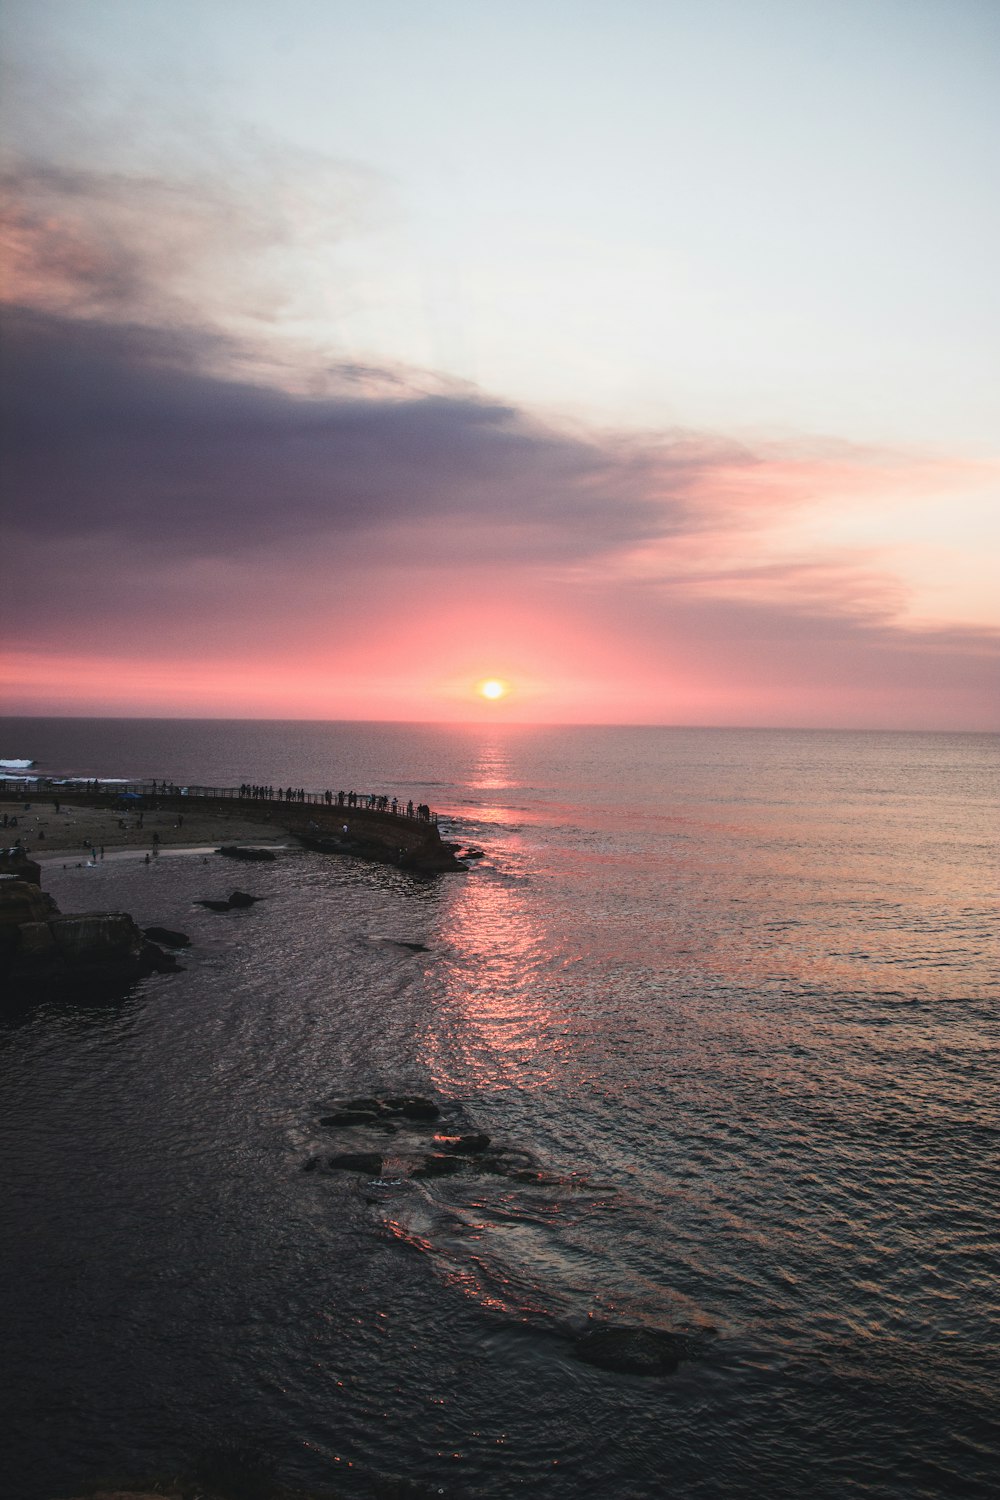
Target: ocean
x,y
733,994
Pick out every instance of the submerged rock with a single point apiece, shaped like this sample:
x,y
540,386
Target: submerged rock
x,y
411,1107
370,1109
508,1161
630,1351
368,1162
350,1117
437,1165
462,1145
213,905
235,851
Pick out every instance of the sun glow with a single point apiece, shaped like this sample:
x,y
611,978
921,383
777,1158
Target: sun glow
x,y
493,688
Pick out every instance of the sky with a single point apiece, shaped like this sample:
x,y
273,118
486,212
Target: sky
x,y
639,357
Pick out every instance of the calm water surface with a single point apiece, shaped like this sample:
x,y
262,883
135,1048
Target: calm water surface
x,y
737,992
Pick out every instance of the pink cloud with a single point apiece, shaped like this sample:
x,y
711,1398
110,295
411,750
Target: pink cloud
x,y
216,536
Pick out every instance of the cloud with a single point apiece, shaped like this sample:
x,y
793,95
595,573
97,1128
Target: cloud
x,y
113,429
187,482
231,244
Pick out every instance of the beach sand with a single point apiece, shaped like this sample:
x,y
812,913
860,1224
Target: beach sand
x,y
74,831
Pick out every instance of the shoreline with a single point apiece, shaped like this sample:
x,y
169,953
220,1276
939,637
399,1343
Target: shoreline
x,y
71,825
79,828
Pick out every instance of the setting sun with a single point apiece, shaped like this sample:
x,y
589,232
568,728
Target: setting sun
x,y
493,688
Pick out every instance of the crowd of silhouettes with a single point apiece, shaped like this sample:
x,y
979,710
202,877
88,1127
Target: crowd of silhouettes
x,y
255,791
372,801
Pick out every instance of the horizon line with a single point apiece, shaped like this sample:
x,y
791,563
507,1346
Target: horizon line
x,y
499,723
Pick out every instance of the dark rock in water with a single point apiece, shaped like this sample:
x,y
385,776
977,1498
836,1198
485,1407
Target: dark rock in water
x,y
350,1117
98,945
260,856
507,1161
462,1145
421,1109
93,937
40,946
368,1162
630,1351
240,899
153,959
167,937
473,854
370,1106
495,1165
437,1165
414,947
413,1108
235,902
312,1164
433,858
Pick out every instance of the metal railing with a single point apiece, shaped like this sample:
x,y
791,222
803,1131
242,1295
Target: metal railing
x,y
250,795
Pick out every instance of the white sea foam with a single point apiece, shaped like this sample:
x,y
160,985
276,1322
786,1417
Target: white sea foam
x,y
16,765
86,780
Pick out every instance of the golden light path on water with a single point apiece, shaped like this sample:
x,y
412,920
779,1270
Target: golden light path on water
x,y
496,969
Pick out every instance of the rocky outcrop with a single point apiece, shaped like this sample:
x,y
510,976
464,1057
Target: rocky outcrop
x,y
433,859
409,843
430,1140
15,863
167,937
437,1165
462,1145
411,1107
369,1111
241,899
40,945
88,944
235,901
24,901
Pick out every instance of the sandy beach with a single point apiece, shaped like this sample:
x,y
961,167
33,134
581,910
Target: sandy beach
x,y
75,830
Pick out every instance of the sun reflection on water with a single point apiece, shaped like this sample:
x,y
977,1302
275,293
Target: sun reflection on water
x,y
498,1023
493,770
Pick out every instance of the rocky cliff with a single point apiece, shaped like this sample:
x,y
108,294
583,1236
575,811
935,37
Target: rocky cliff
x,y
41,945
